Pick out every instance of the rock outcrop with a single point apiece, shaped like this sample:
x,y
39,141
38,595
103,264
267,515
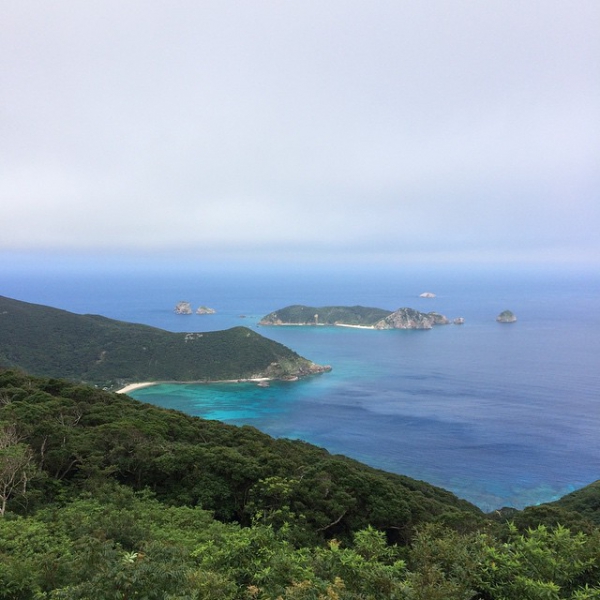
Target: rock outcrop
x,y
292,371
506,316
204,310
427,295
439,319
183,308
409,318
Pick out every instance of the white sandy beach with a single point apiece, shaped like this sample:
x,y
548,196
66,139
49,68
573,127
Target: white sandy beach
x,y
136,386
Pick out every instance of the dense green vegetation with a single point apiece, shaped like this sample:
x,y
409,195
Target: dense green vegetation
x,y
325,315
78,434
585,502
109,498
56,343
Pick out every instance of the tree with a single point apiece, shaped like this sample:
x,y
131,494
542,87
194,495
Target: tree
x,y
16,465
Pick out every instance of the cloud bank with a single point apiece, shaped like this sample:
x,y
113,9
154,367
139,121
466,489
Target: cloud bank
x,y
379,129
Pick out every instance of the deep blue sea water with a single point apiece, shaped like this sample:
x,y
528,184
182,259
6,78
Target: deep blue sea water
x,y
499,414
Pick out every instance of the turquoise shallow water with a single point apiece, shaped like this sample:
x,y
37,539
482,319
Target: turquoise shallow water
x,y
499,414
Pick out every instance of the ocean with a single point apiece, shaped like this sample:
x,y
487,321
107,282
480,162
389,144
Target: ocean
x,y
500,414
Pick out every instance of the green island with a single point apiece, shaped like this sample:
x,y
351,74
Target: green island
x,y
55,343
354,316
105,497
506,316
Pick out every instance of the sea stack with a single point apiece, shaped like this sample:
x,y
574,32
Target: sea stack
x,y
506,316
205,310
183,308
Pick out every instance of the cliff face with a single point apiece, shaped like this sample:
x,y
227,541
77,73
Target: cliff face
x,y
409,318
439,319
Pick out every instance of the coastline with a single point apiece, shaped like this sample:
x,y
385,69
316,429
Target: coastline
x,y
136,386
316,325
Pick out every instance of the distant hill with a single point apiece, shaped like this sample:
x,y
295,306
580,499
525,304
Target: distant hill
x,y
56,343
357,316
585,502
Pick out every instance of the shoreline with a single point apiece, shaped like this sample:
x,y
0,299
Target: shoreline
x,y
317,325
136,386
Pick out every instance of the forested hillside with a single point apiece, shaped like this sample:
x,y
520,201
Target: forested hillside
x,y
104,497
56,343
325,315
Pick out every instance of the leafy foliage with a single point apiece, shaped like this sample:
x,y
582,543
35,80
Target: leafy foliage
x,y
585,502
82,437
133,501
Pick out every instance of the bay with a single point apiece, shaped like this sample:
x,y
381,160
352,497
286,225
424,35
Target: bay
x,y
499,414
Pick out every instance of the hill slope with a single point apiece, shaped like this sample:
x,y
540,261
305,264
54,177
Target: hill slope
x,y
585,502
78,433
56,343
363,316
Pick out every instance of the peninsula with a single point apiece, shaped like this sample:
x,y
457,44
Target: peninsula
x,y
354,316
50,342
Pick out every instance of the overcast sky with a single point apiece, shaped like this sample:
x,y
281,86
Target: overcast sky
x,y
382,130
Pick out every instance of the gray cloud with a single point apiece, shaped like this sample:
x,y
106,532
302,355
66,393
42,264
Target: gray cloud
x,y
382,128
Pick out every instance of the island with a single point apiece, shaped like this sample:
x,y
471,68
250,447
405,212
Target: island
x,y
204,310
506,316
427,295
354,316
183,308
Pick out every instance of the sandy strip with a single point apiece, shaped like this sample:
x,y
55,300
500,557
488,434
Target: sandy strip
x,y
355,326
135,386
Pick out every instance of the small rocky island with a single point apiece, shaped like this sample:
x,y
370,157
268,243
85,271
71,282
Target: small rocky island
x,y
427,295
354,316
185,308
506,316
